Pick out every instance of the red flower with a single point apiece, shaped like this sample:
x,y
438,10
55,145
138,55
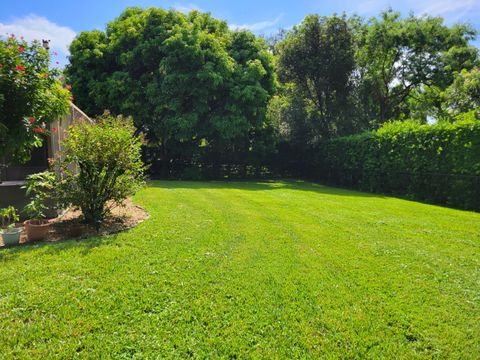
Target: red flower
x,y
68,87
39,130
54,130
20,67
31,119
71,98
44,76
21,49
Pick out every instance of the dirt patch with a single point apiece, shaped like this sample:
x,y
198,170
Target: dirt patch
x,y
69,225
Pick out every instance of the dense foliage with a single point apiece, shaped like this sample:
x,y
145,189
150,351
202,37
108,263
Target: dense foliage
x,y
100,167
40,188
31,96
208,100
318,57
439,163
464,94
398,58
342,75
193,86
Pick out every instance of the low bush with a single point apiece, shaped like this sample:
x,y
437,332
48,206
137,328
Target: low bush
x,y
40,188
435,163
101,166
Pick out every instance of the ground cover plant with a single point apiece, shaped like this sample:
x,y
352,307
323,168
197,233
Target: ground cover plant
x,y
246,269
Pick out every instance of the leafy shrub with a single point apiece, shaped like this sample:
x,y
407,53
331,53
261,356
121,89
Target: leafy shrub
x,y
8,217
40,187
436,163
464,94
101,166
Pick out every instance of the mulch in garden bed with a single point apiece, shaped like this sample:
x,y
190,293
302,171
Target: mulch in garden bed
x,y
69,225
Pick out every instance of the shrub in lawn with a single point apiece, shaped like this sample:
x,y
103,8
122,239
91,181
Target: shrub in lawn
x,y
101,166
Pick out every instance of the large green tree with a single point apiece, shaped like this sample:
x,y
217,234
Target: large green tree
x,y
402,57
188,81
318,58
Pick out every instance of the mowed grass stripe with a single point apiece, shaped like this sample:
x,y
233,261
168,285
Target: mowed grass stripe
x,y
242,269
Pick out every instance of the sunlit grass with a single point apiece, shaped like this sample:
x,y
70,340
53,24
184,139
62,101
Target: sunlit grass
x,y
266,270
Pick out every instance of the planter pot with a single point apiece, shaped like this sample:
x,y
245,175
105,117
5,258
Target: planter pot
x,y
37,230
76,230
11,237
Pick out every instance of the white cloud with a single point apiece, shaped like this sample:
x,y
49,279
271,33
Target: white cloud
x,y
34,27
446,7
187,8
451,11
259,26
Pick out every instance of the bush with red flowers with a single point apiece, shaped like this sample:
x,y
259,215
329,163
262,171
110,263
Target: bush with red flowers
x,y
31,96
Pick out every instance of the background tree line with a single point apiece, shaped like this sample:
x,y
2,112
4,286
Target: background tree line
x,y
205,94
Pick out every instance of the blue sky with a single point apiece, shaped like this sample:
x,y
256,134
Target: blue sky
x,y
60,21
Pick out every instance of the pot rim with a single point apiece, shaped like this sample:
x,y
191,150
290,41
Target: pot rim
x,y
29,223
13,231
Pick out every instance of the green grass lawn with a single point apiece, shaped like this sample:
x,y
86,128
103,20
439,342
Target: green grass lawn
x,y
252,270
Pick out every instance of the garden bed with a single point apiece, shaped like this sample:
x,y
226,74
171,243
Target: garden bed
x,y
69,225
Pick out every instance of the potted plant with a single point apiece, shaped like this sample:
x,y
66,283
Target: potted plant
x,y
39,187
10,233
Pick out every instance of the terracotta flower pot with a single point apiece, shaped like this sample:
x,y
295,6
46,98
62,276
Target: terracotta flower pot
x,y
37,230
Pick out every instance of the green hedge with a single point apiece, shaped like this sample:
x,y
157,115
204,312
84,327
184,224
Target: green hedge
x,y
434,163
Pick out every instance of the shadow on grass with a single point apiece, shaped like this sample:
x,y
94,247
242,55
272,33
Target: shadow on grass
x,y
83,245
261,185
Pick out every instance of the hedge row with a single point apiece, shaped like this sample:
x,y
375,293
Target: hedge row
x,y
434,163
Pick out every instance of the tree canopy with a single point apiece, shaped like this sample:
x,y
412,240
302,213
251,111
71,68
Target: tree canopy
x,y
344,75
318,57
202,92
188,81
397,56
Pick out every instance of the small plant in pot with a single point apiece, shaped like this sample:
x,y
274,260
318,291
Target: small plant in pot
x,y
39,187
10,233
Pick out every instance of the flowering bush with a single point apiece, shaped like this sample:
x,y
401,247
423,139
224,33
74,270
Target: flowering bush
x,y
31,96
101,166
